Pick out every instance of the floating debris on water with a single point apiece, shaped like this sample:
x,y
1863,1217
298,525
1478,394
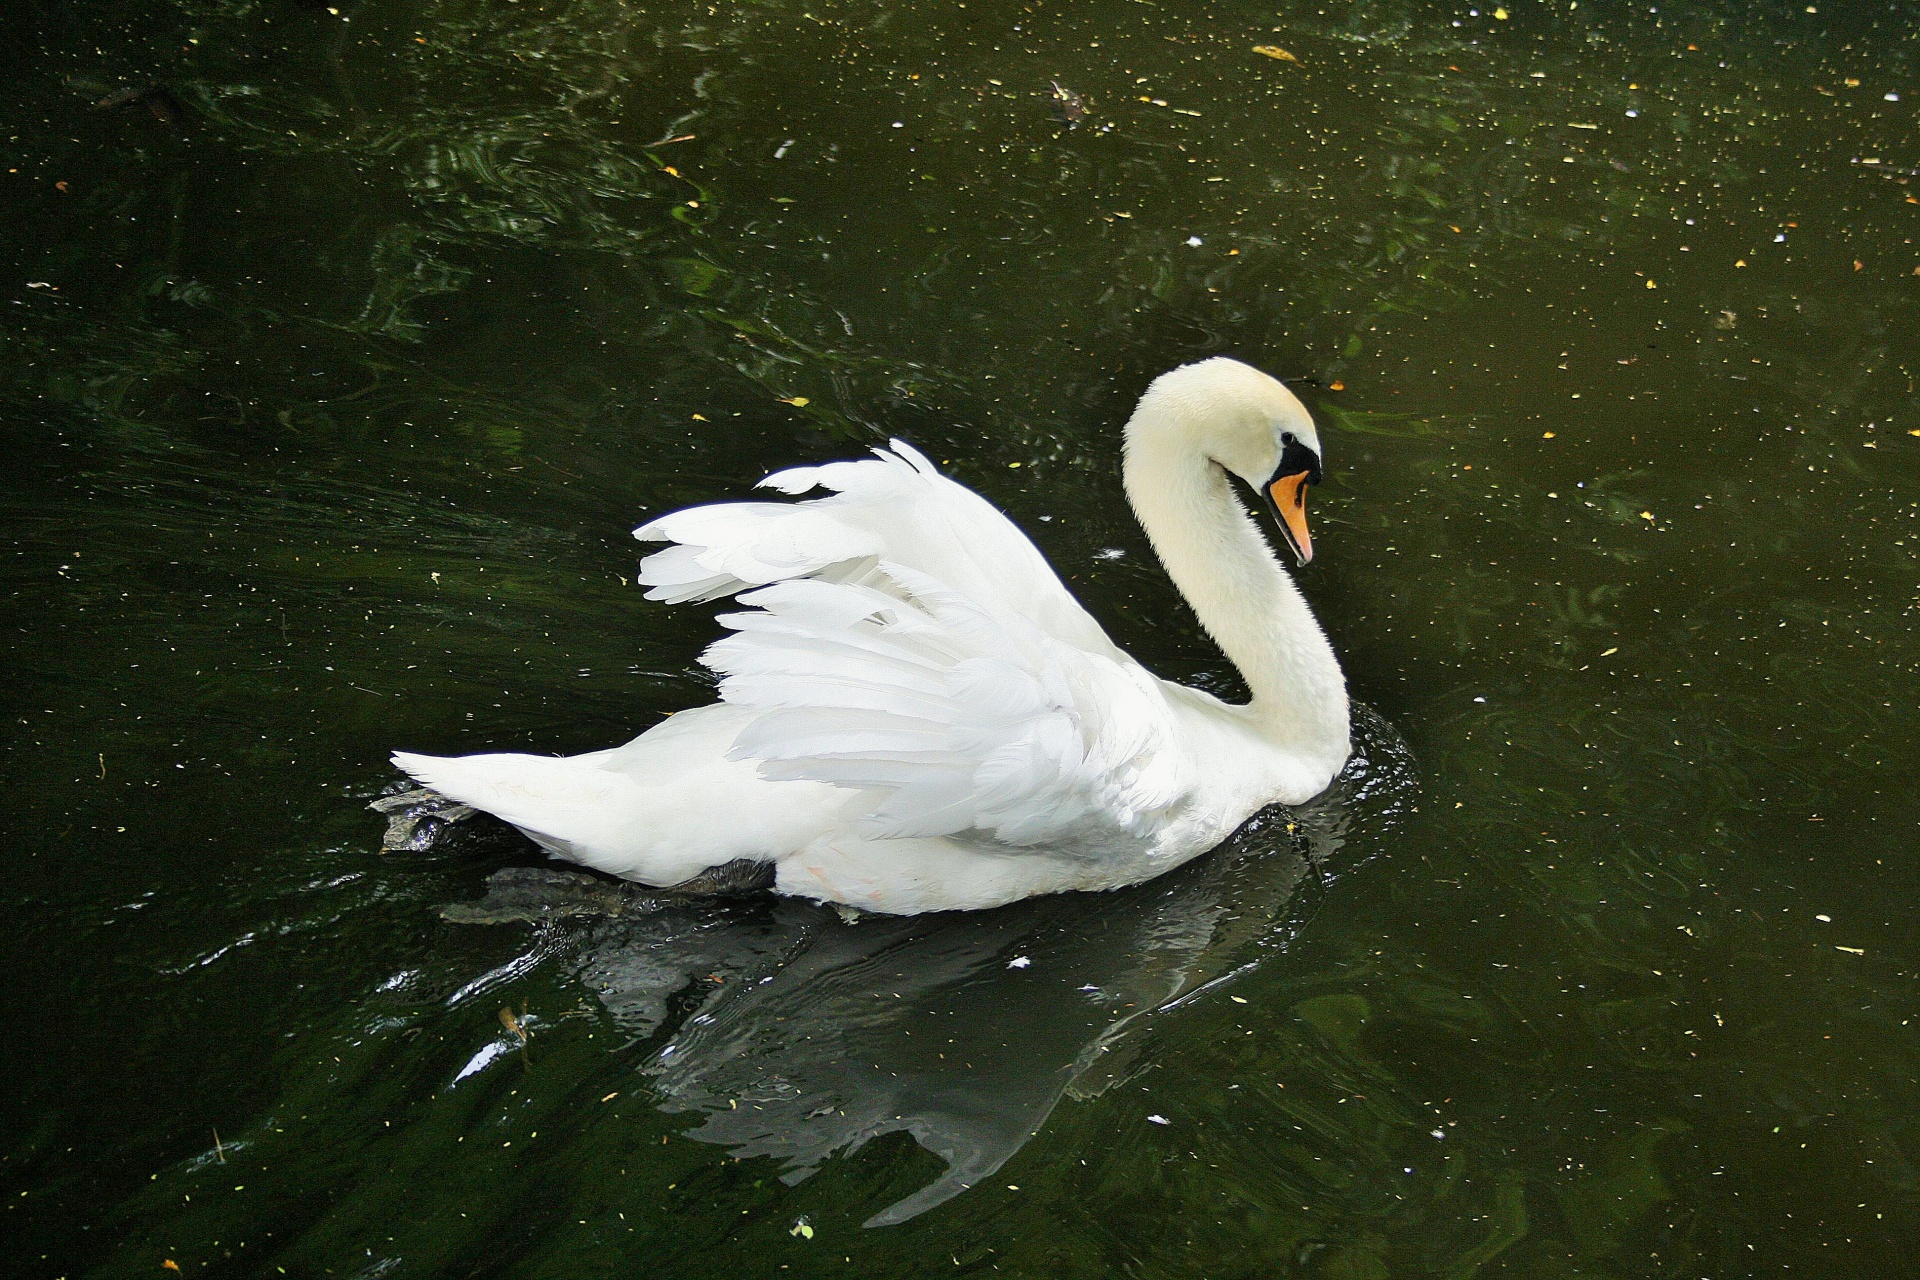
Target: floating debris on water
x,y
416,818
157,99
517,1025
1899,173
1068,107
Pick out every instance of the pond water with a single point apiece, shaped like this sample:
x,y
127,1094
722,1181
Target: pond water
x,y
345,344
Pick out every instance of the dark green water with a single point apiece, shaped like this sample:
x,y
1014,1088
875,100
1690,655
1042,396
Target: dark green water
x,y
328,404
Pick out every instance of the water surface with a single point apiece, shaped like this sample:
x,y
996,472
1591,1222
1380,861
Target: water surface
x,y
342,354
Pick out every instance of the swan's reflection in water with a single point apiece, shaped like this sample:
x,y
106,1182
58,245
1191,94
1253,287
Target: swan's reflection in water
x,y
964,1030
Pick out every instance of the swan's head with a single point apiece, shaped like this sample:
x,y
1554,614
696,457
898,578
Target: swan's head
x,y
1250,425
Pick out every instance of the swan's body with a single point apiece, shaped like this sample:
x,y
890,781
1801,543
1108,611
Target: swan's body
x,y
918,716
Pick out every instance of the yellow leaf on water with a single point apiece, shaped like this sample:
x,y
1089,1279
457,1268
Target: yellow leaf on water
x,y
1274,51
798,402
1500,15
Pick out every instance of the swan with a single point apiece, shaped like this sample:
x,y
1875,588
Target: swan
x,y
916,714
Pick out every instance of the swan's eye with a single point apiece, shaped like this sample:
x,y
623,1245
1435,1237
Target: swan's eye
x,y
1286,437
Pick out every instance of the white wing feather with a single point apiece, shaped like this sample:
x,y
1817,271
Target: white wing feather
x,y
909,640
962,719
897,508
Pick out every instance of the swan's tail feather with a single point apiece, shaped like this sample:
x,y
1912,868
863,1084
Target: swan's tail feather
x,y
553,800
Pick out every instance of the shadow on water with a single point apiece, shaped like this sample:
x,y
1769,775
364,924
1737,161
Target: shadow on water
x,y
964,1030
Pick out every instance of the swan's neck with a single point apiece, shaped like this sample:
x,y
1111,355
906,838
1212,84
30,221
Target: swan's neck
x,y
1227,571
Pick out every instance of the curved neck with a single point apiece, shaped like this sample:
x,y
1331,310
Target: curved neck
x,y
1227,571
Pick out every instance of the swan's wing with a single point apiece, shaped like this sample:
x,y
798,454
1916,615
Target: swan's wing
x,y
895,508
964,718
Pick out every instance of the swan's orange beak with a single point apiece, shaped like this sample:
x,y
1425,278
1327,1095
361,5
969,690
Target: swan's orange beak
x,y
1288,496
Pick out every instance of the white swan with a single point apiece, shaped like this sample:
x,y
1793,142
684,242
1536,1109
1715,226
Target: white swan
x,y
917,715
